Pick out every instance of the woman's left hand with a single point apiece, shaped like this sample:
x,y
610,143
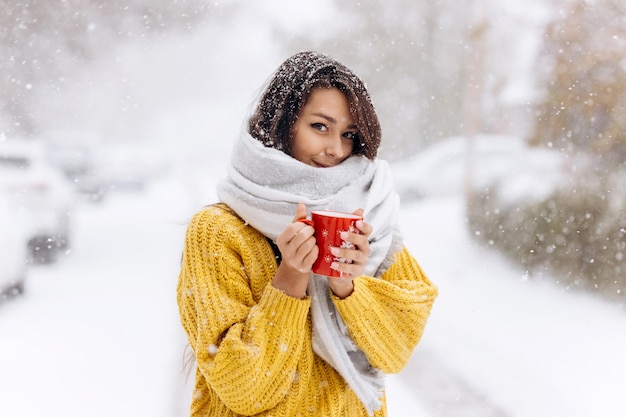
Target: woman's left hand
x,y
359,255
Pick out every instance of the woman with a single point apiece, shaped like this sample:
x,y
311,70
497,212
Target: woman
x,y
270,337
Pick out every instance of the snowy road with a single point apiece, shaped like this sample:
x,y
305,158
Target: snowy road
x,y
98,333
500,344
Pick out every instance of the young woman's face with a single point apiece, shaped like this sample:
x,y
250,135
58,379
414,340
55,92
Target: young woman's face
x,y
324,133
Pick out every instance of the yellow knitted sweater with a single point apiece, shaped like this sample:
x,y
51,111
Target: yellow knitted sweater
x,y
252,342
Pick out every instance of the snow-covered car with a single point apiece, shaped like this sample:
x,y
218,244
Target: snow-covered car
x,y
71,151
74,153
128,166
42,193
14,238
447,167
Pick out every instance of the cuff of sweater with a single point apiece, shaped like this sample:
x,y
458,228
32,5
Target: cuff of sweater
x,y
283,309
356,303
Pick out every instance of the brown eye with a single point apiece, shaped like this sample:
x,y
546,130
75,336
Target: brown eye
x,y
351,135
319,126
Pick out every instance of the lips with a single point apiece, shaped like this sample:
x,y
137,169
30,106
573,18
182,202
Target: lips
x,y
320,165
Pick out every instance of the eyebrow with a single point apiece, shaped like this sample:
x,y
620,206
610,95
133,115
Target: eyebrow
x,y
332,119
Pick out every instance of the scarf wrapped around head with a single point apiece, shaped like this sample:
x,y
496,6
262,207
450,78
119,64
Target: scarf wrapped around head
x,y
264,187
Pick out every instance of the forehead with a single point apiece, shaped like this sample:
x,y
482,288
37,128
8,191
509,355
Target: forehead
x,y
331,99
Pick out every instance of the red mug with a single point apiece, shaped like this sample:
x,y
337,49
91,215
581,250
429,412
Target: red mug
x,y
328,226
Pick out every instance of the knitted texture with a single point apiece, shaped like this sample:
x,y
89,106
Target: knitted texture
x,y
252,342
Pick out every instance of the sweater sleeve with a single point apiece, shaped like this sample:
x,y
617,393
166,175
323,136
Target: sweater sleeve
x,y
247,351
386,317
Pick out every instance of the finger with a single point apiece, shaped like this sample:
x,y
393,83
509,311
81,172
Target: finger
x,y
361,241
364,227
293,231
304,255
358,212
300,212
348,270
296,247
311,256
296,227
301,234
349,255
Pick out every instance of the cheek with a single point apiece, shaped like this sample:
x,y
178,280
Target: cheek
x,y
306,143
300,147
295,140
348,147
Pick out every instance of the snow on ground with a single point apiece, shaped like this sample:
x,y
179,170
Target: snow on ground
x,y
519,347
94,334
98,333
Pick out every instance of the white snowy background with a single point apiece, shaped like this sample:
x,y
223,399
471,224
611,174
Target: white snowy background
x,y
97,334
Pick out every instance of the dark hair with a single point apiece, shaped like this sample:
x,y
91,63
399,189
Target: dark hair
x,y
290,87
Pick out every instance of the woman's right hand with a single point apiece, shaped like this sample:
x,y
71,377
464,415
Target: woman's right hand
x,y
298,252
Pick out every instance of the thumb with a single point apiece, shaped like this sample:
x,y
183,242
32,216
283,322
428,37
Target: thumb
x,y
358,212
300,212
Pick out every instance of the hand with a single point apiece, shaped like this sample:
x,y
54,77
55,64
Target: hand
x,y
299,251
342,287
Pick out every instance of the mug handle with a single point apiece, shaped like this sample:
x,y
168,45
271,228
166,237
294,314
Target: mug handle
x,y
306,221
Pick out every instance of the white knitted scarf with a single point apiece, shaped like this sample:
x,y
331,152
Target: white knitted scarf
x,y
264,186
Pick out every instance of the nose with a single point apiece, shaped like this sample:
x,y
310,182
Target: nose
x,y
334,147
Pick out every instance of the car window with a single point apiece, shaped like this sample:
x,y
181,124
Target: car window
x,y
14,161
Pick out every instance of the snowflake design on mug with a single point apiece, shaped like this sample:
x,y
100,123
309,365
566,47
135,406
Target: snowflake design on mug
x,y
329,258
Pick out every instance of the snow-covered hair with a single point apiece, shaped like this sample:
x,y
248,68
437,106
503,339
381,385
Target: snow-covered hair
x,y
289,88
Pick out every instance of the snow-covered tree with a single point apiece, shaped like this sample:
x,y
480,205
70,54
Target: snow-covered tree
x,y
43,42
584,102
411,54
578,233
